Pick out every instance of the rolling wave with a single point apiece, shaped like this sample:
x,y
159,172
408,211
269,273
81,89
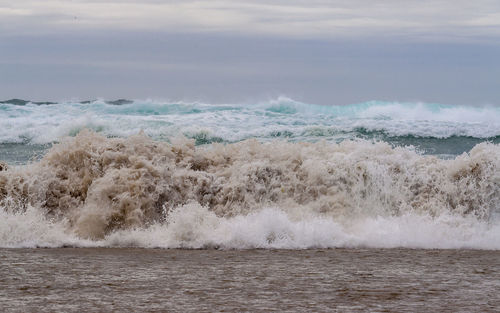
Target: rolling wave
x,y
41,124
91,190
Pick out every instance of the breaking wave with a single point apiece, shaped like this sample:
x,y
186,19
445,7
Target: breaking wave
x,y
90,190
23,121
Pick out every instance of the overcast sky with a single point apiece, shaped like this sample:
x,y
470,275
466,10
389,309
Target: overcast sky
x,y
328,52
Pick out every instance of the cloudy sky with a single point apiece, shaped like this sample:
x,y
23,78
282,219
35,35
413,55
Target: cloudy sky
x,y
328,52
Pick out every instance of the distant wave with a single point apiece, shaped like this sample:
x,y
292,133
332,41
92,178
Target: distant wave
x,y
391,110
282,117
96,191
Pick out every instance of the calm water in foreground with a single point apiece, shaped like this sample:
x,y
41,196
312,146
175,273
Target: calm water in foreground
x,y
343,280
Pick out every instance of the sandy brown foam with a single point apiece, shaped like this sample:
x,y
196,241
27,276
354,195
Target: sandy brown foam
x,y
101,184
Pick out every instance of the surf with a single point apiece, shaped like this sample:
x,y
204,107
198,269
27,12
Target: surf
x,y
31,122
137,191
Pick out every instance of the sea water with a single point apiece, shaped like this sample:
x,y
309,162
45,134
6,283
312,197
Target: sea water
x,y
274,174
261,206
312,280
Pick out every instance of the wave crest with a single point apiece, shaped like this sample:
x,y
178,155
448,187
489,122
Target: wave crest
x,y
100,186
42,124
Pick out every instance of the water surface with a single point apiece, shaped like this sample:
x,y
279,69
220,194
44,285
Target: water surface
x,y
342,280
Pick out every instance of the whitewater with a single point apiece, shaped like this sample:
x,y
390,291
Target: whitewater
x,y
275,174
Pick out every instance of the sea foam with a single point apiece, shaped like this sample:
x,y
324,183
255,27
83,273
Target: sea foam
x,y
282,117
90,190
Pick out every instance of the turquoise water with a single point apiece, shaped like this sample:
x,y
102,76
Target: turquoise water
x,y
28,128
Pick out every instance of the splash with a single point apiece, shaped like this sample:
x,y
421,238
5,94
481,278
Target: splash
x,y
93,190
24,121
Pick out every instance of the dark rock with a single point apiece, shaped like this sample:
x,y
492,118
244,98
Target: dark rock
x,y
44,103
24,102
15,102
120,102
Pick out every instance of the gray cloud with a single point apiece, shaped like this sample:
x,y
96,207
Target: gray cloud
x,y
420,20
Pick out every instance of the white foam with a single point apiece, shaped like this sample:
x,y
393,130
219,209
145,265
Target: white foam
x,y
194,227
48,123
272,228
31,229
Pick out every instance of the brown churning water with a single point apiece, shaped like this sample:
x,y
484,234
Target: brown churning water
x,y
93,190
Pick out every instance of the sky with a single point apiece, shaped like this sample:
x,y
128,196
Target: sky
x,y
325,52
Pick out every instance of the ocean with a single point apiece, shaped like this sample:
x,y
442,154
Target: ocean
x,y
275,182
